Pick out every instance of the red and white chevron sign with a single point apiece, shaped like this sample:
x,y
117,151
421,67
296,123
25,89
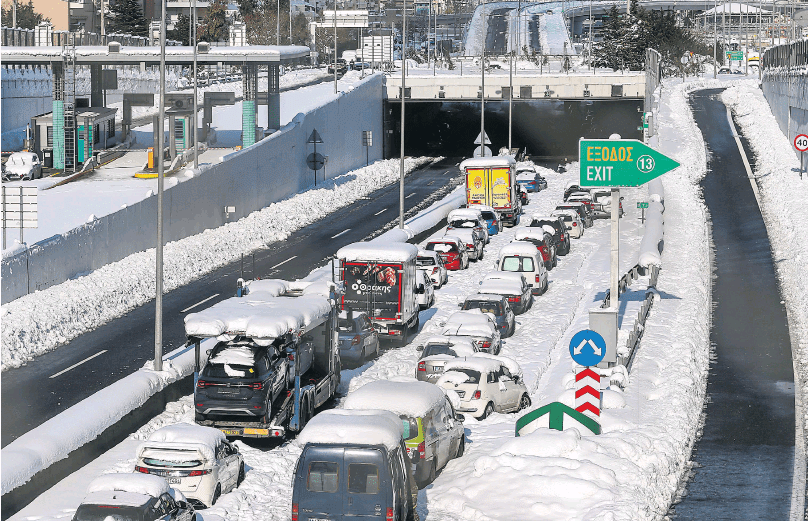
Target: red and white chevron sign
x,y
587,392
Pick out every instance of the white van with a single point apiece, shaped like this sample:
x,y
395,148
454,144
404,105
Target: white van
x,y
523,257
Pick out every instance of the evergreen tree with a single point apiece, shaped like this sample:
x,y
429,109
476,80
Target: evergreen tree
x,y
247,8
127,18
182,30
216,27
27,17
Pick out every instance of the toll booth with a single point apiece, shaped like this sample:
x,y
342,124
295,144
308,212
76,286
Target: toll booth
x,y
95,130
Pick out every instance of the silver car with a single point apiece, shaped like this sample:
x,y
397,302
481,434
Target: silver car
x,y
437,351
358,340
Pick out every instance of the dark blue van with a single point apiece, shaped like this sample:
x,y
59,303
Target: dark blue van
x,y
336,480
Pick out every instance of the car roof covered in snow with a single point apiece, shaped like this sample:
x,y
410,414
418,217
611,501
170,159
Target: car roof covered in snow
x,y
181,442
506,275
413,399
353,427
542,217
568,212
461,233
464,213
143,485
486,297
261,318
488,162
470,316
501,286
428,253
526,176
450,340
448,238
510,363
534,233
519,249
378,252
475,363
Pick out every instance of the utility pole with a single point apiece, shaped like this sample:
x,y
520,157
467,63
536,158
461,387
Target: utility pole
x,y
403,95
715,39
335,46
482,85
158,319
510,106
103,28
196,106
14,14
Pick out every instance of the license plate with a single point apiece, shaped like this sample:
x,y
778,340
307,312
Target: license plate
x,y
233,391
231,432
437,369
174,481
318,519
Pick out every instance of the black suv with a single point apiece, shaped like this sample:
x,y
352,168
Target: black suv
x,y
561,236
342,66
241,379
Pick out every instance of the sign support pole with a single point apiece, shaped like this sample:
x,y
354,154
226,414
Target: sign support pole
x,y
614,294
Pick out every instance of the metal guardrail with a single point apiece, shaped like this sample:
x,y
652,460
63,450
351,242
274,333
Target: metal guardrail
x,y
786,56
18,37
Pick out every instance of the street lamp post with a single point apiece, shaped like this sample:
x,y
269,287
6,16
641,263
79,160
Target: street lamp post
x,y
158,318
715,39
278,24
196,102
482,85
335,46
403,95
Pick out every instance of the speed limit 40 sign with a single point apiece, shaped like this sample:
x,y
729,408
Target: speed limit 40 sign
x,y
801,143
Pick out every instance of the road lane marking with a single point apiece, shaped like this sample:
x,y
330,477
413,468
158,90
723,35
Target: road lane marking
x,y
410,195
340,233
380,212
749,173
78,364
284,262
430,183
446,172
200,302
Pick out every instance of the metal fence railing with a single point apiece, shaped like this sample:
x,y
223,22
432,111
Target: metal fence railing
x,y
17,37
785,57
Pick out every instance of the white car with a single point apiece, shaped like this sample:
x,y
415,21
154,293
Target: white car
x,y
480,327
572,221
196,460
486,384
23,166
431,263
472,238
603,202
425,290
513,286
438,350
468,218
523,257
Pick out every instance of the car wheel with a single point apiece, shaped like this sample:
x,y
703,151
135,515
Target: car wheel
x,y
461,448
361,358
241,475
524,402
216,494
433,471
489,410
481,255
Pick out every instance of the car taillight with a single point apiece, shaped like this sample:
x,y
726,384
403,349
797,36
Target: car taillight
x,y
486,345
356,340
388,517
575,224
291,357
514,299
201,384
495,222
421,366
295,511
469,246
256,386
143,470
538,278
434,270
421,450
476,395
197,473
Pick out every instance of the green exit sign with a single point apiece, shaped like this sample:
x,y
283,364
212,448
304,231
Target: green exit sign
x,y
642,205
620,162
735,55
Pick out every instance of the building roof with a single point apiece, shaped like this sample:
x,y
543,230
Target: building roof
x,y
96,113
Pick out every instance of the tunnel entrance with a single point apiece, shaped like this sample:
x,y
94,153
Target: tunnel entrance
x,y
546,128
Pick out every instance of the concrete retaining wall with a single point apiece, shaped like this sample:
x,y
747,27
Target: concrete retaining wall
x,y
788,99
250,179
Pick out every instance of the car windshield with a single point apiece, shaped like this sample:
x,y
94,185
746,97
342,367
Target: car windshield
x,y
517,264
438,349
463,223
425,261
111,512
441,247
473,376
484,306
489,216
154,462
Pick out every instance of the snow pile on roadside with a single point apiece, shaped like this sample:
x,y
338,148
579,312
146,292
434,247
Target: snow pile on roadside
x,y
782,199
40,322
654,229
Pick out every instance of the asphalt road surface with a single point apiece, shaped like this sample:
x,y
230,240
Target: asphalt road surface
x,y
495,39
745,456
55,381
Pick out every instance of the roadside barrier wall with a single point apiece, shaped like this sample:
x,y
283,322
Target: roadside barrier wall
x,y
785,86
250,179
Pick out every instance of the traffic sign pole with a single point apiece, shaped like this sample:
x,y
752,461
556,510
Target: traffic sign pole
x,y
801,144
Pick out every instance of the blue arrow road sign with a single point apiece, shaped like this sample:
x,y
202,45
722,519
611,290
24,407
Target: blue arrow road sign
x,y
587,348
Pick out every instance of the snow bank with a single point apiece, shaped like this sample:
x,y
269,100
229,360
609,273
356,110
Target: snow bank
x,y
378,251
353,427
413,399
42,321
55,439
782,200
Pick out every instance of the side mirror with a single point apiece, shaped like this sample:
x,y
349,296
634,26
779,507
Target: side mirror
x,y
460,304
421,288
419,348
504,378
460,417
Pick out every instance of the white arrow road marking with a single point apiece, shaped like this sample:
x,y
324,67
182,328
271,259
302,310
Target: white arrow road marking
x,y
78,364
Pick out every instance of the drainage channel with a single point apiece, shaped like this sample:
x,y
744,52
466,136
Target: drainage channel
x,y
744,458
